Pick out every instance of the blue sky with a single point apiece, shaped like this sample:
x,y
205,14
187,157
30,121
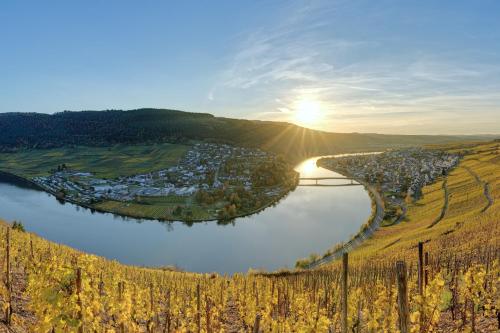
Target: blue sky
x,y
411,67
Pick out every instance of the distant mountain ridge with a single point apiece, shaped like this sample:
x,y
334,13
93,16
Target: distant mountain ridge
x,y
110,127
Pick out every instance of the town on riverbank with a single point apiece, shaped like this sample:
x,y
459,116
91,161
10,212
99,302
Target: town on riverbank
x,y
211,181
398,175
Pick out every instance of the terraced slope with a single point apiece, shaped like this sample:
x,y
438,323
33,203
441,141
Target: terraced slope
x,y
466,218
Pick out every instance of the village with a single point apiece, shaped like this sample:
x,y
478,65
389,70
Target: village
x,y
206,166
399,174
398,171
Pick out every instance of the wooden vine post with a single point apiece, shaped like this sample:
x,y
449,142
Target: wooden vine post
x,y
151,323
32,253
207,313
403,309
426,270
121,290
473,310
256,324
420,268
198,307
167,320
345,268
8,284
79,298
421,280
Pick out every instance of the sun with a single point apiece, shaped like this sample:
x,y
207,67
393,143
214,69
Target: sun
x,y
308,112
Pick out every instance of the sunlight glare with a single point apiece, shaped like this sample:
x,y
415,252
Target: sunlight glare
x,y
307,112
307,167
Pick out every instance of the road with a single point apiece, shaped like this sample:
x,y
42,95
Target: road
x,y
373,225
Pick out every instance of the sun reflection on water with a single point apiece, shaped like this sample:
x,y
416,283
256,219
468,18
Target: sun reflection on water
x,y
307,167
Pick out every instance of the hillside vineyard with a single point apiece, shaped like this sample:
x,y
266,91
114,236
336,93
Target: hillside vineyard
x,y
443,279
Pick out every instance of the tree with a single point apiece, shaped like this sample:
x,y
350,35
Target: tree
x,y
234,198
178,210
18,226
231,210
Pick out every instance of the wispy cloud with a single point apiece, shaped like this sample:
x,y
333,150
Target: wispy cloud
x,y
362,87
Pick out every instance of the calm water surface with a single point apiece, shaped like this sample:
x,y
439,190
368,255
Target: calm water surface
x,y
310,219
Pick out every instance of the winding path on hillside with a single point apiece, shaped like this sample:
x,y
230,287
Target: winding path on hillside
x,y
484,184
445,205
488,196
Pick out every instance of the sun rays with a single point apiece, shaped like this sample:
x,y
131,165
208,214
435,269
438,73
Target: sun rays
x,y
308,112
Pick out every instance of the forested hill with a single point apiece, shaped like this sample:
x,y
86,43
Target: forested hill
x,y
101,128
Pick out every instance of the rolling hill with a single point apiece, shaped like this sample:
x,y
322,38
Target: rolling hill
x,y
104,128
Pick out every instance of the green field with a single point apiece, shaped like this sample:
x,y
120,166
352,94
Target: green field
x,y
104,162
161,208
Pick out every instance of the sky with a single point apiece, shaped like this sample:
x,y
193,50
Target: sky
x,y
406,67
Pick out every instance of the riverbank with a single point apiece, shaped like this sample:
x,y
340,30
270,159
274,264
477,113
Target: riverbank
x,y
366,230
463,225
448,201
267,240
19,180
285,190
167,182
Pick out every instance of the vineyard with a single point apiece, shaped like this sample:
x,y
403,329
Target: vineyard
x,y
412,277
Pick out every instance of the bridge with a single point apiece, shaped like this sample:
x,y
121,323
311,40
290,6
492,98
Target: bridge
x,y
316,179
321,178
331,185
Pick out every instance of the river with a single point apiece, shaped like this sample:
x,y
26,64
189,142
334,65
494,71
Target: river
x,y
308,220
